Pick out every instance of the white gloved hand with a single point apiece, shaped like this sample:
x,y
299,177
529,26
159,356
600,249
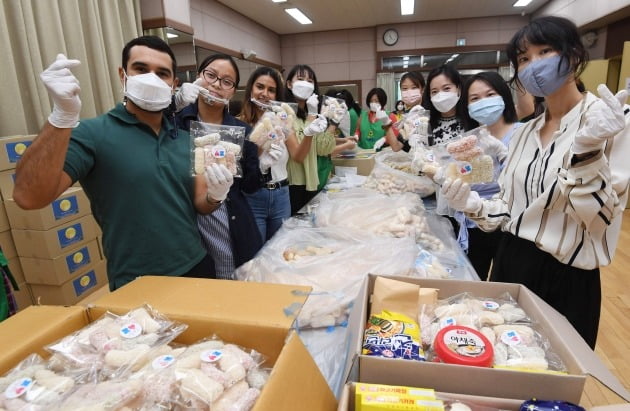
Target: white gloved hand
x,y
63,88
492,146
460,197
417,108
219,180
316,126
271,157
188,94
378,144
383,117
604,119
312,104
338,114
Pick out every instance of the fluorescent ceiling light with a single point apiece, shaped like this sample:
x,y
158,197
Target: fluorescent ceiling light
x,y
406,7
279,1
405,58
171,35
299,16
521,3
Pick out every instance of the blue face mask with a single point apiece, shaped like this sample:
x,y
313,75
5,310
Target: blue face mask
x,y
487,110
542,77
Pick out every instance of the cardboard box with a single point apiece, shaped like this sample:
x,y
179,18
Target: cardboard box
x,y
254,315
23,296
363,161
346,401
80,286
56,271
52,243
7,244
16,270
12,149
69,206
4,219
7,182
579,359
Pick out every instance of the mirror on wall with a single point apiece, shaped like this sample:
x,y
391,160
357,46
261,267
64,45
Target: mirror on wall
x,y
183,47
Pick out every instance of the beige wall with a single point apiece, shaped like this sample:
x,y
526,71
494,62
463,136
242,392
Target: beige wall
x,y
581,12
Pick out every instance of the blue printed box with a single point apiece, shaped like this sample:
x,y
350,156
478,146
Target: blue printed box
x,y
71,292
12,149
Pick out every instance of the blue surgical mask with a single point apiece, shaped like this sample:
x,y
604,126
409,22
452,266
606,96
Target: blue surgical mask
x,y
542,77
487,110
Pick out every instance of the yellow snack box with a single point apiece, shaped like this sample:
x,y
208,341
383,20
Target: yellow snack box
x,y
393,402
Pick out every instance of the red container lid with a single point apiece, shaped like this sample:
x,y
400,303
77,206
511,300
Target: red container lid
x,y
457,344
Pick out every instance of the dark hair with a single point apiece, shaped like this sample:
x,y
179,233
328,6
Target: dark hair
x,y
559,33
416,77
249,112
346,96
397,103
152,42
220,56
494,80
306,71
452,74
380,94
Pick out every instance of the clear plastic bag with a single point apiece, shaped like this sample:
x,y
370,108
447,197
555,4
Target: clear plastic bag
x,y
414,126
332,260
216,144
393,174
333,108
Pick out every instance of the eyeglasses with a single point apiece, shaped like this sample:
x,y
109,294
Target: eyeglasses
x,y
211,77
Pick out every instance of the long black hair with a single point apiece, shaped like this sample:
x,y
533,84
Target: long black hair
x,y
306,71
494,80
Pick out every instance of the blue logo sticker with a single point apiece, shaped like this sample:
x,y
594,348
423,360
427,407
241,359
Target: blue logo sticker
x,y
84,283
65,207
78,259
70,235
15,151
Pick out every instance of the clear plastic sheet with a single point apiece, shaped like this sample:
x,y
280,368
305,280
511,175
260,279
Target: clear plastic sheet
x,y
393,174
216,144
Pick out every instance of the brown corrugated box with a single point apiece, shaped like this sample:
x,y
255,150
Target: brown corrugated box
x,y
12,149
7,244
85,282
7,182
363,161
4,219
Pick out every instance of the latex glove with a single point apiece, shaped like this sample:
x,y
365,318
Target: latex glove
x,y
384,117
604,119
219,180
316,126
312,104
378,144
338,114
188,94
417,108
460,197
63,88
493,146
269,158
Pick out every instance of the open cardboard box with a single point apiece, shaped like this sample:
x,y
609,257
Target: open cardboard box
x,y
579,359
253,315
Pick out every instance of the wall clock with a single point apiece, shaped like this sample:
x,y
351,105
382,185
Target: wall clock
x,y
390,37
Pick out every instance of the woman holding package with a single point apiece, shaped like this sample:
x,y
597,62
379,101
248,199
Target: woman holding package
x,y
411,88
441,98
490,103
564,184
374,123
229,233
314,137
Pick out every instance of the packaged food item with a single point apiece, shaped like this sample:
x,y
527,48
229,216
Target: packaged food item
x,y
380,402
457,344
216,144
393,173
392,335
275,124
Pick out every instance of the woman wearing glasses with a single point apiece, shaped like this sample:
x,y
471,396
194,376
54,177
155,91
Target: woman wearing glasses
x,y
229,233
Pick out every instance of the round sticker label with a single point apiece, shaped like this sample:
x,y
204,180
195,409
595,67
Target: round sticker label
x,y
77,257
464,343
130,330
511,337
20,148
163,361
430,157
18,387
70,233
218,151
211,355
446,321
65,205
490,305
465,168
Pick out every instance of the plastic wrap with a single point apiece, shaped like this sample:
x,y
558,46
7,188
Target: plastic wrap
x,y
216,144
334,261
414,126
393,174
274,126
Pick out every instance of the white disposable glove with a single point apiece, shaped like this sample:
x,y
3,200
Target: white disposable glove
x,y
338,114
458,195
316,126
311,104
188,94
269,158
417,108
604,119
219,180
384,117
63,88
378,144
493,146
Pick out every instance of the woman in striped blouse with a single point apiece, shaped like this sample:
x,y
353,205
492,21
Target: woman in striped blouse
x,y
564,184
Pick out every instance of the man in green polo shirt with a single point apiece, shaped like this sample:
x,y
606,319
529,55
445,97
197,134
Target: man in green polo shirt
x,y
133,164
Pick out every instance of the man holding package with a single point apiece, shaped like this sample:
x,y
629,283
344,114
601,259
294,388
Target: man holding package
x,y
133,164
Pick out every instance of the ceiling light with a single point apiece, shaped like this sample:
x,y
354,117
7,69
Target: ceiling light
x,y
521,3
299,16
406,7
405,58
406,65
171,35
279,1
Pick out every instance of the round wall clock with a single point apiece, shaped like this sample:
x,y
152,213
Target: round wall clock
x,y
390,37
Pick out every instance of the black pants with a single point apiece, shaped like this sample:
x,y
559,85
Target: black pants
x,y
205,269
299,197
573,292
482,247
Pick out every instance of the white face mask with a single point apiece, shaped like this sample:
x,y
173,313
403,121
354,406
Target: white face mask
x,y
375,107
444,101
302,89
148,91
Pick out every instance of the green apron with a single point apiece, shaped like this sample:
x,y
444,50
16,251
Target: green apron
x,y
4,293
324,169
370,132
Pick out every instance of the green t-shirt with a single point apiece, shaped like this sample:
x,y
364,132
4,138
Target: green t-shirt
x,y
141,193
370,132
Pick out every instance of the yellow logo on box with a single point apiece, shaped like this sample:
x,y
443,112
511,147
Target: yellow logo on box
x,y
84,281
77,257
20,148
70,233
65,205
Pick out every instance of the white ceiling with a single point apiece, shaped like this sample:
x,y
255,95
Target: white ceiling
x,y
346,14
